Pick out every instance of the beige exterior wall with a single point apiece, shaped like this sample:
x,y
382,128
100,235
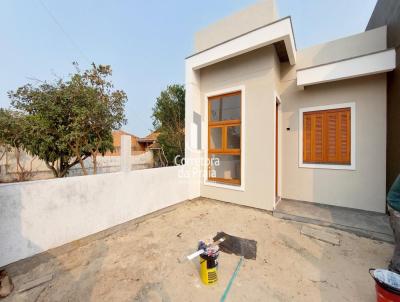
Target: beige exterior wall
x,y
255,71
363,188
252,17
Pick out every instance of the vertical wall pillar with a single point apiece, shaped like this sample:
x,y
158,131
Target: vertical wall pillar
x,y
3,164
193,130
125,153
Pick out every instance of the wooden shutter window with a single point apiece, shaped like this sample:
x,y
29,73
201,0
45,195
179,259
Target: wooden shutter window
x,y
327,136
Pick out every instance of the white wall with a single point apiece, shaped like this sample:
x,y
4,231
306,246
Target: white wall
x,y
38,215
105,164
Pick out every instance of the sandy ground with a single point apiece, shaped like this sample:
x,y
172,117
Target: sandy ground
x,y
144,262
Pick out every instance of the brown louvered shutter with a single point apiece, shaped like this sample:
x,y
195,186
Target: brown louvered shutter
x,y
307,138
344,136
317,134
332,136
326,136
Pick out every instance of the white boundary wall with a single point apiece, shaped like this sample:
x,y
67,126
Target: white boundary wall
x,y
39,215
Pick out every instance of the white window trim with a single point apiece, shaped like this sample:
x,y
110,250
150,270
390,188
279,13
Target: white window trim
x,y
242,139
352,165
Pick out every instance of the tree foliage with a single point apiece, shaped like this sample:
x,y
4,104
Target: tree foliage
x,y
13,137
98,109
70,120
12,125
169,120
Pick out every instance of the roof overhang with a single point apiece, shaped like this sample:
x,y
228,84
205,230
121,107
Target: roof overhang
x,y
280,30
373,63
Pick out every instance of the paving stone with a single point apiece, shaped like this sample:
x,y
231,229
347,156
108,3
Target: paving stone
x,y
322,235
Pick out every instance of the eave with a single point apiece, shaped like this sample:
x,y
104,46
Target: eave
x,y
373,63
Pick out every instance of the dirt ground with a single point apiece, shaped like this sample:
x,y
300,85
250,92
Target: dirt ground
x,y
145,262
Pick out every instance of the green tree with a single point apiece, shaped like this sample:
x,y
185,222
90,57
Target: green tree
x,y
97,109
69,121
169,120
48,113
14,137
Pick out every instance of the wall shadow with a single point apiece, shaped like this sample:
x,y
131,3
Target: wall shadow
x,y
67,283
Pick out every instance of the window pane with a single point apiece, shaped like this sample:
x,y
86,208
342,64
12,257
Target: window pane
x,y
215,138
225,166
233,137
225,108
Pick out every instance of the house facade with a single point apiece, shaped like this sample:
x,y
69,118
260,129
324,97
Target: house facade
x,y
138,145
265,121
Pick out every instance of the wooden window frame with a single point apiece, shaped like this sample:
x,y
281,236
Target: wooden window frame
x,y
224,144
332,166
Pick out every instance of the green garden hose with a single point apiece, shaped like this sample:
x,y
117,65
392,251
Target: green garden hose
x,y
223,298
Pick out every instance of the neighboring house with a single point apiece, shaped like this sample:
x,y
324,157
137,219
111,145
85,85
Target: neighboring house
x,y
136,147
149,142
277,122
387,12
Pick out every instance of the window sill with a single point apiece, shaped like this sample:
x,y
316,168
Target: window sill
x,y
224,186
328,167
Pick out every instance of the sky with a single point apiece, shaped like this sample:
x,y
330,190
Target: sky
x,y
145,42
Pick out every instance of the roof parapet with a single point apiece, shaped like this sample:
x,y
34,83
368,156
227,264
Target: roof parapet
x,y
368,64
279,30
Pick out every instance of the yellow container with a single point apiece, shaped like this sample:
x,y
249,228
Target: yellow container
x,y
209,269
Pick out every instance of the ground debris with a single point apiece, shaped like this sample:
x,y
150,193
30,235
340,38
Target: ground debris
x,y
318,281
322,235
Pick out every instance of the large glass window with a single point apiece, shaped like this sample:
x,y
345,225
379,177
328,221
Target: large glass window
x,y
225,108
224,138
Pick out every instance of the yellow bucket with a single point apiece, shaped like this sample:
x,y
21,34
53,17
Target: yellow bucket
x,y
209,268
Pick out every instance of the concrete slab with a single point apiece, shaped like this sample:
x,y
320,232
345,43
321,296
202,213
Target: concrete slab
x,y
322,235
362,223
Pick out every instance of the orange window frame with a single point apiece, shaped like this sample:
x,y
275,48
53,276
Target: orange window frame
x,y
224,125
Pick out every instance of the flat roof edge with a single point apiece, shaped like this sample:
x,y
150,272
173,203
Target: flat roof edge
x,y
373,63
346,59
241,35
